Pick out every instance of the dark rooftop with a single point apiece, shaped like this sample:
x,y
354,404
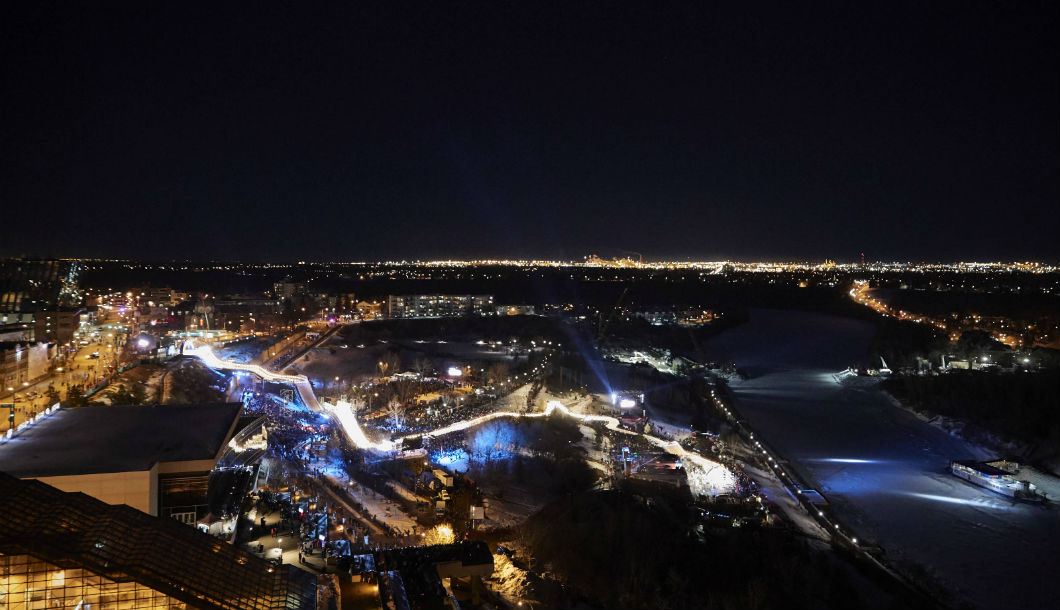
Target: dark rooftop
x,y
414,580
89,440
73,530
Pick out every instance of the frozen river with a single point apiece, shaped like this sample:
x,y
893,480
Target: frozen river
x,y
882,469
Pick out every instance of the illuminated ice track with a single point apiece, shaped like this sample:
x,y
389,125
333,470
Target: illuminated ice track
x,y
300,382
705,476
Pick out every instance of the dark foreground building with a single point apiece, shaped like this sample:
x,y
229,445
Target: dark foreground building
x,y
37,285
415,577
156,458
68,550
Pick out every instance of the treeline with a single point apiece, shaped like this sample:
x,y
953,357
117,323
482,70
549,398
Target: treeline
x,y
191,383
1021,406
638,333
1026,304
469,328
618,549
900,343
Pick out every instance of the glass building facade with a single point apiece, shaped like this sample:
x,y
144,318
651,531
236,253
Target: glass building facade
x,y
69,550
27,583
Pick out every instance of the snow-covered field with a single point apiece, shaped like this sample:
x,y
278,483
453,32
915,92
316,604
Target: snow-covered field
x,y
382,508
150,377
342,358
245,351
884,470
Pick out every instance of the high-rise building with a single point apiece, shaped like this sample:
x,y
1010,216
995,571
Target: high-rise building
x,y
288,289
439,305
56,325
34,285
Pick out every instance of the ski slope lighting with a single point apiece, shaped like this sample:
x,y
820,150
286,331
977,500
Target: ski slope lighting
x,y
705,476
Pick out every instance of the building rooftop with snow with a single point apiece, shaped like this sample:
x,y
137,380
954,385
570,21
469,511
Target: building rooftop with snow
x,y
155,458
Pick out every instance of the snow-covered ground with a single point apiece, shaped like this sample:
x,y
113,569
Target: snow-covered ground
x,y
403,491
775,491
668,430
458,351
381,507
884,470
338,357
513,508
150,377
1047,484
246,350
384,509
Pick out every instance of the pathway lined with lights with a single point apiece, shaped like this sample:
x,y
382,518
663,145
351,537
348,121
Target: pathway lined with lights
x,y
710,474
300,382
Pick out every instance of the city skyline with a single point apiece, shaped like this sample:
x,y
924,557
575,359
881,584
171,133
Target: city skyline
x,y
595,261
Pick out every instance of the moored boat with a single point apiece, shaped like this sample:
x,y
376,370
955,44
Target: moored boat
x,y
998,476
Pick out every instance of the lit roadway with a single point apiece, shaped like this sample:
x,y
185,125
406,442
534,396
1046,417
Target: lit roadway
x,y
861,293
78,368
708,473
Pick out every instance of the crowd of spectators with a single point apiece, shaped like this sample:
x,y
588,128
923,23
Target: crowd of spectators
x,y
439,415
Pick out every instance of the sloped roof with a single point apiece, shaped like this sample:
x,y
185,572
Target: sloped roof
x,y
73,530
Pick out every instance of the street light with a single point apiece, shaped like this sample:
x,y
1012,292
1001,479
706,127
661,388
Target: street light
x,y
11,416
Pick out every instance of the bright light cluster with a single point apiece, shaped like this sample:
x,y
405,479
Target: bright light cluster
x,y
300,382
342,411
705,477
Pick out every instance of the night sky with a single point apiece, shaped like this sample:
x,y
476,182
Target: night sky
x,y
921,131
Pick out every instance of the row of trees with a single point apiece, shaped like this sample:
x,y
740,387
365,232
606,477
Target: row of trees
x,y
503,448
1020,406
189,383
389,363
469,328
630,549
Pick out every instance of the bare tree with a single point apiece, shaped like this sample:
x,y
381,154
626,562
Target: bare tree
x,y
395,413
406,390
388,362
422,365
367,399
493,440
439,534
497,372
